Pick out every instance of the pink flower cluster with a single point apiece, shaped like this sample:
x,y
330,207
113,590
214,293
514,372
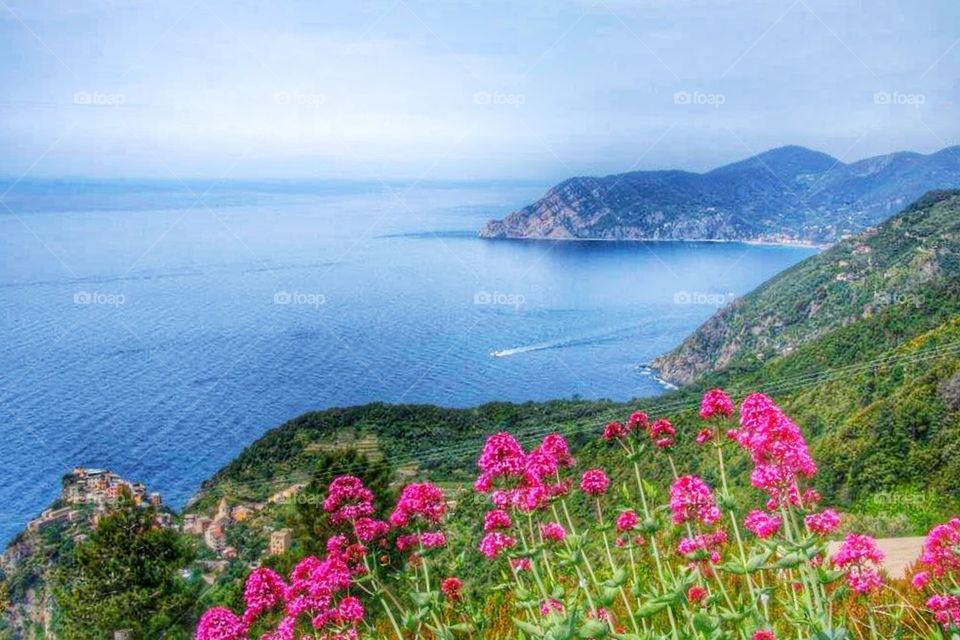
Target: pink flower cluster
x,y
627,520
663,433
703,547
762,524
692,500
594,482
495,542
941,549
777,448
419,501
638,421
219,623
822,523
946,609
518,480
452,588
368,530
317,595
716,404
861,558
347,500
553,531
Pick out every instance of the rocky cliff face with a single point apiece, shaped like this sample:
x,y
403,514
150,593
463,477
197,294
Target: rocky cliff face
x,y
882,267
790,194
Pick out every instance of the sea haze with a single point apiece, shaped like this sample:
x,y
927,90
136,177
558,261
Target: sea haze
x,y
147,331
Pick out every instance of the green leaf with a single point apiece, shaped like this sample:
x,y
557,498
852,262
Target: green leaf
x,y
789,561
529,629
593,629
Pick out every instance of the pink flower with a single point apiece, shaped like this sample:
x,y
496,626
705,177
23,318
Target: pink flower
x,y
940,549
495,542
716,403
704,436
555,445
691,499
696,594
496,519
763,634
420,500
864,580
521,564
662,433
594,482
407,541
777,448
638,420
219,623
553,531
501,455
705,546
762,524
856,549
627,520
264,590
549,606
452,588
350,610
946,609
347,499
433,539
822,523
920,580
614,431
861,558
367,529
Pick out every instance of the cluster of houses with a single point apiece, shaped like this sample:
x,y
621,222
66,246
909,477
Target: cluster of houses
x,y
100,489
213,530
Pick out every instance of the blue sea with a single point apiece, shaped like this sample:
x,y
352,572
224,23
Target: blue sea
x,y
157,328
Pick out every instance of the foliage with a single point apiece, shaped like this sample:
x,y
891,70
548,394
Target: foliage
x,y
310,523
125,577
644,560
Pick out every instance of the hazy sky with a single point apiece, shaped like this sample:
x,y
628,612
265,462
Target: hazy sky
x,y
441,89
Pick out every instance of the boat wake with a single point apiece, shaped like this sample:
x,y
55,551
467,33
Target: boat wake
x,y
609,335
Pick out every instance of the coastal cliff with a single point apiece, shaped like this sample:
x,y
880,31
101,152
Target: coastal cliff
x,y
786,195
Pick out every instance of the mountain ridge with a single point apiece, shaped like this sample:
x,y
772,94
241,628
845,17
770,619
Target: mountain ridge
x,y
884,266
789,194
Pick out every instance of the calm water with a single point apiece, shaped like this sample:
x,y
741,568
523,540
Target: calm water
x,y
140,334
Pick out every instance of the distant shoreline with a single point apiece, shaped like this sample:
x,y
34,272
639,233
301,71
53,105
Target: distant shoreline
x,y
760,243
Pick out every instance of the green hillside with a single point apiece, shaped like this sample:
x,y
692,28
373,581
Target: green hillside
x,y
902,262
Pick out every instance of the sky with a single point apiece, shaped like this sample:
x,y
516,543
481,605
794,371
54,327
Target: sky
x,y
465,89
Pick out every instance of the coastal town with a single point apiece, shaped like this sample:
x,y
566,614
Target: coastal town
x,y
89,493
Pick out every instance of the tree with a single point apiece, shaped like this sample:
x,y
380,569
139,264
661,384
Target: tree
x,y
125,576
310,524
